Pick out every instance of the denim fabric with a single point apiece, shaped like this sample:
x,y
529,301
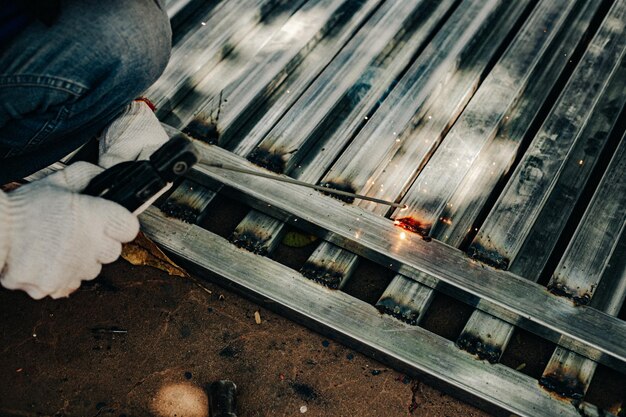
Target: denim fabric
x,y
60,85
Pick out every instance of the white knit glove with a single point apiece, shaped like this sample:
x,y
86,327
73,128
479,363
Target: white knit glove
x,y
51,237
135,135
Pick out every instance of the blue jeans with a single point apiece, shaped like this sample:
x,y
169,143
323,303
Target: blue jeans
x,y
60,85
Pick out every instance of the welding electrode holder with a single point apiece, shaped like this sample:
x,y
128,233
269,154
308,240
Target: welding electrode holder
x,y
222,399
132,184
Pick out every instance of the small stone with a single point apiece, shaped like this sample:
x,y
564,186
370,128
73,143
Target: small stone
x,y
325,343
303,409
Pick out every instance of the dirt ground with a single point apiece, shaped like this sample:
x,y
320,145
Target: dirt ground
x,y
137,342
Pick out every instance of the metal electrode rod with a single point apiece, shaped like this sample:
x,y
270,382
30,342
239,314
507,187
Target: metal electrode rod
x,y
306,184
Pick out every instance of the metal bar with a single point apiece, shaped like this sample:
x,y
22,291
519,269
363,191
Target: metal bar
x,y
261,239
405,300
438,84
456,69
222,29
581,272
357,323
330,265
472,153
188,202
549,180
265,71
510,297
371,58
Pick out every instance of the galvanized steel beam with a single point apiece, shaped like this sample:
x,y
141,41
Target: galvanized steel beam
x,y
449,193
526,222
357,323
593,265
510,297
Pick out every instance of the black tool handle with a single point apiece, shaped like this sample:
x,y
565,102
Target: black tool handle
x,y
132,184
129,184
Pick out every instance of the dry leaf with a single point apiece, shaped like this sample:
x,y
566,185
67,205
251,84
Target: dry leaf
x,y
10,186
257,317
296,239
144,252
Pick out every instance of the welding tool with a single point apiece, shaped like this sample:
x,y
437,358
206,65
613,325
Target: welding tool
x,y
321,188
136,184
222,399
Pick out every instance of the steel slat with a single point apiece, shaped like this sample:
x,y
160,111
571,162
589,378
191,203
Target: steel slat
x,y
439,65
526,222
504,104
581,271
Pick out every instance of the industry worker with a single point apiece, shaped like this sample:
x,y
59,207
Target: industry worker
x,y
70,71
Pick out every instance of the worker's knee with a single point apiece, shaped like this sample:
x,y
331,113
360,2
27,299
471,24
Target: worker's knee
x,y
103,54
62,84
138,42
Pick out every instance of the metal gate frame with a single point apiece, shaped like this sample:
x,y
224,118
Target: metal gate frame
x,y
509,297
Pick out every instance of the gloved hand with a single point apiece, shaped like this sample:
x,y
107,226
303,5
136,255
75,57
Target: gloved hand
x,y
51,237
135,135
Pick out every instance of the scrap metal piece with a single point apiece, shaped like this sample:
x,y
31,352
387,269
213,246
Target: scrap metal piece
x,y
223,399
